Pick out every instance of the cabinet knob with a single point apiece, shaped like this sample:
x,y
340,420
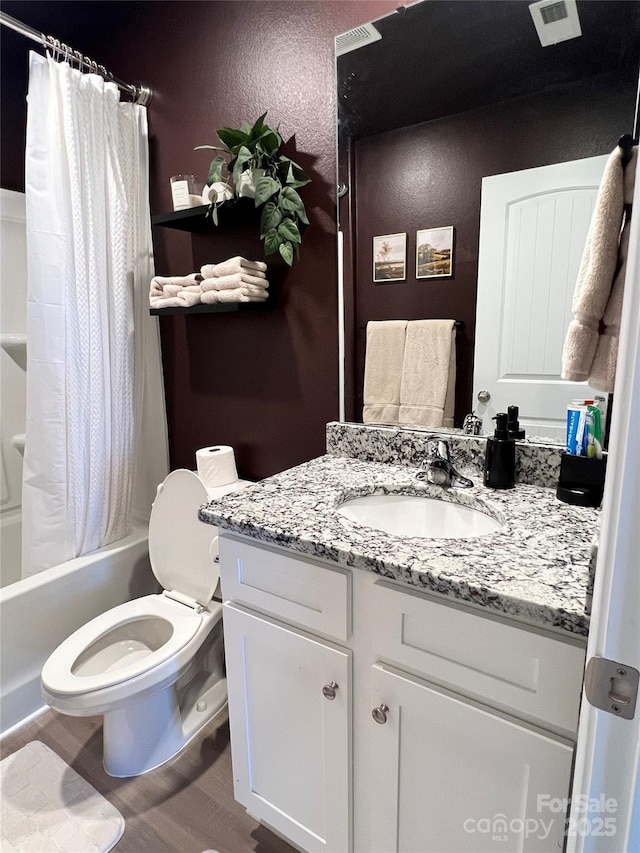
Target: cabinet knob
x,y
329,690
379,714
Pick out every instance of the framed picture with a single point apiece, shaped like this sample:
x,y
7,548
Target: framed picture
x,y
434,252
390,257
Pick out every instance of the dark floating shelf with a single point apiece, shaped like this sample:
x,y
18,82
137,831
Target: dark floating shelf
x,y
217,308
194,219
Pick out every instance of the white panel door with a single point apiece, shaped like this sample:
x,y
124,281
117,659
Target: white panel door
x,y
290,744
533,227
452,776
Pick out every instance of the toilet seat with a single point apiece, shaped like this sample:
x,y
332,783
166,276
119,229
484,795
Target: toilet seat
x,y
177,621
58,672
179,542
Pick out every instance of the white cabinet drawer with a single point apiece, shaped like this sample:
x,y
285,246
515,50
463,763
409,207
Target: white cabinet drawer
x,y
290,588
492,660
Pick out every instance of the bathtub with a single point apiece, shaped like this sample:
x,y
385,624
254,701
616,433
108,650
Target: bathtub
x,y
10,546
39,612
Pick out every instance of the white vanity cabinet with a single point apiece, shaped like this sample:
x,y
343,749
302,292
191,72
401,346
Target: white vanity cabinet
x,y
446,727
289,695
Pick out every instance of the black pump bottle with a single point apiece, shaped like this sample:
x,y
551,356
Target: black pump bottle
x,y
500,461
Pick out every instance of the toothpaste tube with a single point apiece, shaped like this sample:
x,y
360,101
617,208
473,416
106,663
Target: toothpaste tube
x,y
577,437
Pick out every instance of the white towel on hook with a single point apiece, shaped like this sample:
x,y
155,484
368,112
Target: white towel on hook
x,y
427,388
596,274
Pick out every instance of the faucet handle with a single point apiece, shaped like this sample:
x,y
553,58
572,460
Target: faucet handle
x,y
438,448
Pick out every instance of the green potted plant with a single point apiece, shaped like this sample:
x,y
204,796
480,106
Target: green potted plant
x,y
251,156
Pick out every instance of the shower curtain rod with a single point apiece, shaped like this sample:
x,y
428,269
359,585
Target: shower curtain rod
x,y
140,94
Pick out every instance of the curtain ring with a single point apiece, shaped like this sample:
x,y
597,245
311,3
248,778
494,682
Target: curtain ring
x,y
50,45
78,58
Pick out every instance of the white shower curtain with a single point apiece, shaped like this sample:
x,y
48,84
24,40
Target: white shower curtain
x,y
92,348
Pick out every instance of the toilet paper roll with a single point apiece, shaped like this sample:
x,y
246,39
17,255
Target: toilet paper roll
x,y
216,465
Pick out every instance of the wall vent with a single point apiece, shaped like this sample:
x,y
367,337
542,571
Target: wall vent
x,y
355,38
555,20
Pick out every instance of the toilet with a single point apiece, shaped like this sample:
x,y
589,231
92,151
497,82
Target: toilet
x,y
154,666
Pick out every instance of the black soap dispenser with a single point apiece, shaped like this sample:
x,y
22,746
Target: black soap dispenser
x,y
500,461
513,424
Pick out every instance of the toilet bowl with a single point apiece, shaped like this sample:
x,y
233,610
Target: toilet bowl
x,y
154,666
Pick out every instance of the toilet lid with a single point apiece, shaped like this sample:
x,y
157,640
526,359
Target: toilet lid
x,y
179,543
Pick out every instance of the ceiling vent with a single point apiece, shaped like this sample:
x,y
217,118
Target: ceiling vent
x,y
555,20
355,38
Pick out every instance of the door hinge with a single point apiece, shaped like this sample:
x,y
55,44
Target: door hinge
x,y
612,687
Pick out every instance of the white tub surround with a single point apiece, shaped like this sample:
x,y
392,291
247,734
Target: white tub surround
x,y
536,568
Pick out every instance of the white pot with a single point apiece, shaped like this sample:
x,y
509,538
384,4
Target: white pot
x,y
217,192
246,186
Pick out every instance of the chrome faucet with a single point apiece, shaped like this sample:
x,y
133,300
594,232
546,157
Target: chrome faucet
x,y
438,468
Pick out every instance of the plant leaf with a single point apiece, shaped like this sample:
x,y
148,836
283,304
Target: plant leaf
x,y
270,142
209,147
302,215
294,176
286,250
272,241
290,200
297,177
259,126
288,230
270,218
245,127
233,139
215,170
243,157
265,188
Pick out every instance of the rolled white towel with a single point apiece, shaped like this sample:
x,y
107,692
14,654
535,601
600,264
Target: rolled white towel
x,y
184,299
178,280
210,297
234,265
231,282
223,284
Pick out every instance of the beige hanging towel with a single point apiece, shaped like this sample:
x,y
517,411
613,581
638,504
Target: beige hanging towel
x,y
603,369
588,354
384,358
427,388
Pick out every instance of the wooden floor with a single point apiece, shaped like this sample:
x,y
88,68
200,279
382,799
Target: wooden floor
x,y
186,806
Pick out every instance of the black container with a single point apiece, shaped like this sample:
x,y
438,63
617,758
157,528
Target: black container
x,y
581,480
500,460
513,424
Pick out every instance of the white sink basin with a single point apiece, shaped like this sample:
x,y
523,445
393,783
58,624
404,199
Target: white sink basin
x,y
419,515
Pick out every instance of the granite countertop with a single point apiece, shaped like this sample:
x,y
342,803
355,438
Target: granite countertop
x,y
536,568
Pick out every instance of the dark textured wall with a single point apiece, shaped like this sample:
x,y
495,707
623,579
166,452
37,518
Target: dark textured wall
x,y
430,175
265,380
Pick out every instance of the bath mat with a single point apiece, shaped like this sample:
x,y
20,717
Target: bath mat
x,y
47,806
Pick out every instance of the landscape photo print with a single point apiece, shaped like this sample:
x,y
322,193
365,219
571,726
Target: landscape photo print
x,y
434,252
390,257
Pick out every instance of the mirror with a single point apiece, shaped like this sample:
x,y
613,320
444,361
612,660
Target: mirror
x,y
450,93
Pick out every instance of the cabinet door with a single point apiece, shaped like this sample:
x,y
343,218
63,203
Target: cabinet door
x,y
453,776
290,744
